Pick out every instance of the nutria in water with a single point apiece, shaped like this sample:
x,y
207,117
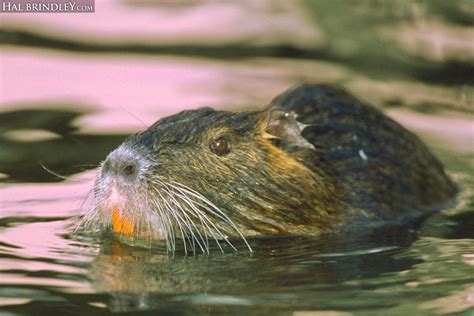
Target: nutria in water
x,y
315,160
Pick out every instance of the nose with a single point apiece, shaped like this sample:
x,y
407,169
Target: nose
x,y
122,163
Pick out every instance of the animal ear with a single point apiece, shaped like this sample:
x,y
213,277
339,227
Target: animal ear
x,y
284,130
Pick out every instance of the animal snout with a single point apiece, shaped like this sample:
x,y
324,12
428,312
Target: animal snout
x,y
123,163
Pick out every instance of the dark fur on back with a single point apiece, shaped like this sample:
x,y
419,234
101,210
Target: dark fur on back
x,y
385,169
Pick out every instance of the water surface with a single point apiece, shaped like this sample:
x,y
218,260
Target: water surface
x,y
72,90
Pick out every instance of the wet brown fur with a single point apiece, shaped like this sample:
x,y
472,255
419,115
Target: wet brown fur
x,y
348,165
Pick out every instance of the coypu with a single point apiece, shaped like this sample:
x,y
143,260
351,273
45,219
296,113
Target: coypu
x,y
315,160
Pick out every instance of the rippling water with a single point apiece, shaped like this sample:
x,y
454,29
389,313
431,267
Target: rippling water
x,y
72,90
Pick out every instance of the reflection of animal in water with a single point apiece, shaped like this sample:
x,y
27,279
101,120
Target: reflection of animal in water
x,y
127,269
137,278
315,160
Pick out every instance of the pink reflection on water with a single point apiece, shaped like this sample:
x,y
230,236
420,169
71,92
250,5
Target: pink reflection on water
x,y
268,21
43,239
45,199
133,92
145,88
452,130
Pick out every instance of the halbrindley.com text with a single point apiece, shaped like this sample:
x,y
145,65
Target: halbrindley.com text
x,y
11,6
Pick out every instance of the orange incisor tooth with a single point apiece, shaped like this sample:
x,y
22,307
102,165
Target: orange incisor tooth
x,y
120,224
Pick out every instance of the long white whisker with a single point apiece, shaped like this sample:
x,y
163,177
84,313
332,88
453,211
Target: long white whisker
x,y
168,227
225,237
189,221
201,215
173,213
215,210
205,221
193,205
165,225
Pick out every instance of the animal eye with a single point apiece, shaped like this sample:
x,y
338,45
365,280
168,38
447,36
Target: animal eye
x,y
220,146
